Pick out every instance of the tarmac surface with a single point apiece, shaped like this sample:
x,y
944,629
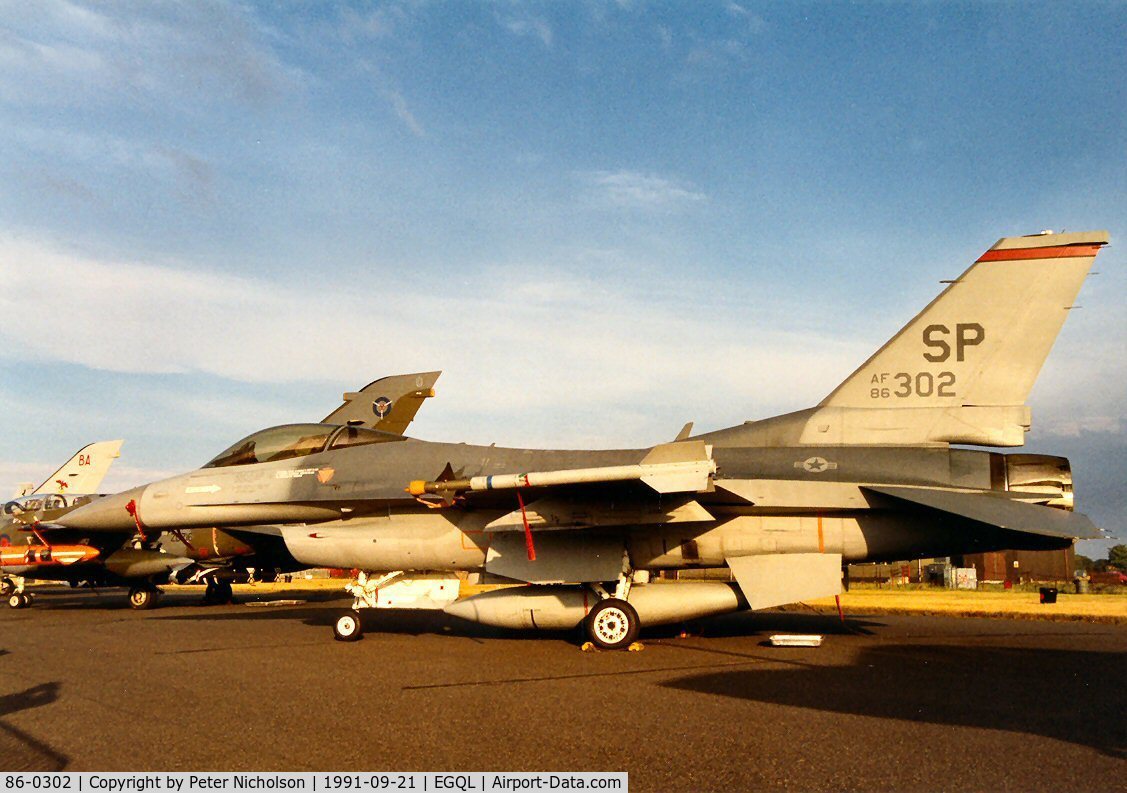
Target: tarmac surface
x,y
888,702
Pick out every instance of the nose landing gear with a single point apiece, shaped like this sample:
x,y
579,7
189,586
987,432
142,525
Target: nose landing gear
x,y
347,627
144,597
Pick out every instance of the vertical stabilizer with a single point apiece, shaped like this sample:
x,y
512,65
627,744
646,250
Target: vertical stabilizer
x,y
388,404
983,341
84,472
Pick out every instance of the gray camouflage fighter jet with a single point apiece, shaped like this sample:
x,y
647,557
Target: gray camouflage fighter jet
x,y
130,556
21,548
870,473
224,554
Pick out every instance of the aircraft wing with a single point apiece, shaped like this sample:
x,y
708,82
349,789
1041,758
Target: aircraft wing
x,y
1000,511
388,404
561,510
576,499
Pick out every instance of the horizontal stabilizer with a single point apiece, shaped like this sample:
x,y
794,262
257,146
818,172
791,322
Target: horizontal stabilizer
x,y
1000,511
780,578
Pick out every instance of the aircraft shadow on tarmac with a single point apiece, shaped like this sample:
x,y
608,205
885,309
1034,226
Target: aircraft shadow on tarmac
x,y
417,622
411,622
1068,695
186,597
18,750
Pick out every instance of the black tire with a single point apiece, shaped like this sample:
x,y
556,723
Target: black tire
x,y
613,624
224,594
7,587
348,627
143,597
16,601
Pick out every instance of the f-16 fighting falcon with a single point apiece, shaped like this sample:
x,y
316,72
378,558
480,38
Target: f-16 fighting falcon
x,y
221,555
132,557
23,551
873,472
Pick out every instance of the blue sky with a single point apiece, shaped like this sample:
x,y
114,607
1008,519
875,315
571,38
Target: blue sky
x,y
601,220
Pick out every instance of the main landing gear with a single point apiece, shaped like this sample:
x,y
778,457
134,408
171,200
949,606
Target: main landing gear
x,y
613,624
144,597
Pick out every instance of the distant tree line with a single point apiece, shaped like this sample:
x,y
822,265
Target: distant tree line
x,y
1116,560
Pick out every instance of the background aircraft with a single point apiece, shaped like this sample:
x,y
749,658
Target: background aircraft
x,y
21,551
138,559
868,474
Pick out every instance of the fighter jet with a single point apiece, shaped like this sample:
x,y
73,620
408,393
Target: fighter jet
x,y
23,551
133,557
221,555
873,472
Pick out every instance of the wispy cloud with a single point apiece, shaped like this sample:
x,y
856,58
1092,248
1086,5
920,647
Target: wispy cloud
x,y
755,23
563,338
120,477
532,26
403,112
59,53
632,189
377,23
73,156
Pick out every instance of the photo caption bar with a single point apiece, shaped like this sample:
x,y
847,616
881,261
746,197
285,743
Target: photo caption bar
x,y
423,782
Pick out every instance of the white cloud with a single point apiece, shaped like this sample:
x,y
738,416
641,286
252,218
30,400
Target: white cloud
x,y
378,23
530,26
1075,427
511,339
120,477
632,189
754,22
608,358
58,53
403,112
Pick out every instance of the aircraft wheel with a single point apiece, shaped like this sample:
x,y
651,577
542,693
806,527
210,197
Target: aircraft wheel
x,y
18,601
347,628
223,592
613,624
143,597
7,587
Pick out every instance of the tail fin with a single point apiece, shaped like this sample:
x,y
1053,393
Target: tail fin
x,y
388,404
84,472
983,341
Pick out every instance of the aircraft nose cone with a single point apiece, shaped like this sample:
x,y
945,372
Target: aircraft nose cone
x,y
104,514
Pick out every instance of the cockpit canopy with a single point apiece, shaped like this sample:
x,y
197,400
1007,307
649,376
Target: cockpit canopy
x,y
296,440
37,503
